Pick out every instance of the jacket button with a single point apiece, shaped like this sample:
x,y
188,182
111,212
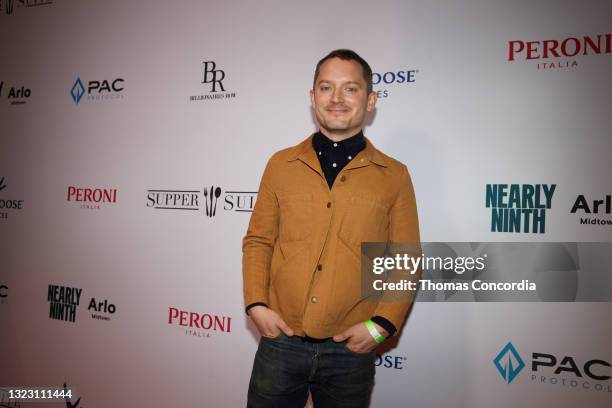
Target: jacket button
x,y
343,178
328,204
314,299
319,267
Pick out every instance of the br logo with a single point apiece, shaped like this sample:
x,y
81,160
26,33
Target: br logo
x,y
509,363
213,76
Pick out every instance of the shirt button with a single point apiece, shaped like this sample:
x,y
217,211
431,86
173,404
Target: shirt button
x,y
329,205
334,164
314,299
319,267
343,178
335,144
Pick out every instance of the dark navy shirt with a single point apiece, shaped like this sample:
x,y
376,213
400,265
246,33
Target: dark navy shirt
x,y
333,156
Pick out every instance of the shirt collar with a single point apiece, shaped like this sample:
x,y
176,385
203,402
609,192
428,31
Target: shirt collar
x,y
305,151
352,144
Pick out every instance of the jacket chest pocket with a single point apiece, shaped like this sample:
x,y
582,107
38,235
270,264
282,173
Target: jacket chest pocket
x,y
366,220
295,216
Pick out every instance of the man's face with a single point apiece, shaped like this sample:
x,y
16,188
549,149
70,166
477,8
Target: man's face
x,y
340,98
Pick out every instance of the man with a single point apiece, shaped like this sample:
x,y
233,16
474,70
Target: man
x,y
301,255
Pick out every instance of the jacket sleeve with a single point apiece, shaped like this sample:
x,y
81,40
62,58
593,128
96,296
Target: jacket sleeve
x,y
258,244
404,229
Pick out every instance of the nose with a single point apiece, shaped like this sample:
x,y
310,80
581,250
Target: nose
x,y
337,96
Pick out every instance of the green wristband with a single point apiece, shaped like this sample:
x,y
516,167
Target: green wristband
x,y
372,329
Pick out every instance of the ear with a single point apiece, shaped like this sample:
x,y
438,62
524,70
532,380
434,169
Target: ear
x,y
372,98
312,100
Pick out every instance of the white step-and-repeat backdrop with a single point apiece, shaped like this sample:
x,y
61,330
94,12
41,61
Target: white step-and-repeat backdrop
x,y
134,134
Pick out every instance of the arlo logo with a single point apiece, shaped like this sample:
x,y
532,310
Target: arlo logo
x,y
101,307
17,95
581,204
212,75
509,363
22,92
598,207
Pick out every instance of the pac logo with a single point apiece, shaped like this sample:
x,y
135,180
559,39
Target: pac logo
x,y
77,91
97,90
509,363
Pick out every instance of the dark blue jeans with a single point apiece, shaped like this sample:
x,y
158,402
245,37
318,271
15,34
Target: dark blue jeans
x,y
286,368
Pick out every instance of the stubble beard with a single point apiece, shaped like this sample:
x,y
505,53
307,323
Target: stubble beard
x,y
336,125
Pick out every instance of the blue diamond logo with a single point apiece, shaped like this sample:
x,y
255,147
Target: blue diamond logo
x,y
77,91
509,363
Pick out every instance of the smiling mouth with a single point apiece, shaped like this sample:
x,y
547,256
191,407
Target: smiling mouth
x,y
337,110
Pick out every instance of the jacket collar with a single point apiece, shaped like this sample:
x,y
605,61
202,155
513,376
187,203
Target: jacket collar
x,y
306,153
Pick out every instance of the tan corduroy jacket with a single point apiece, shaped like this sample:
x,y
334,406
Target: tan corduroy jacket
x,y
301,253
